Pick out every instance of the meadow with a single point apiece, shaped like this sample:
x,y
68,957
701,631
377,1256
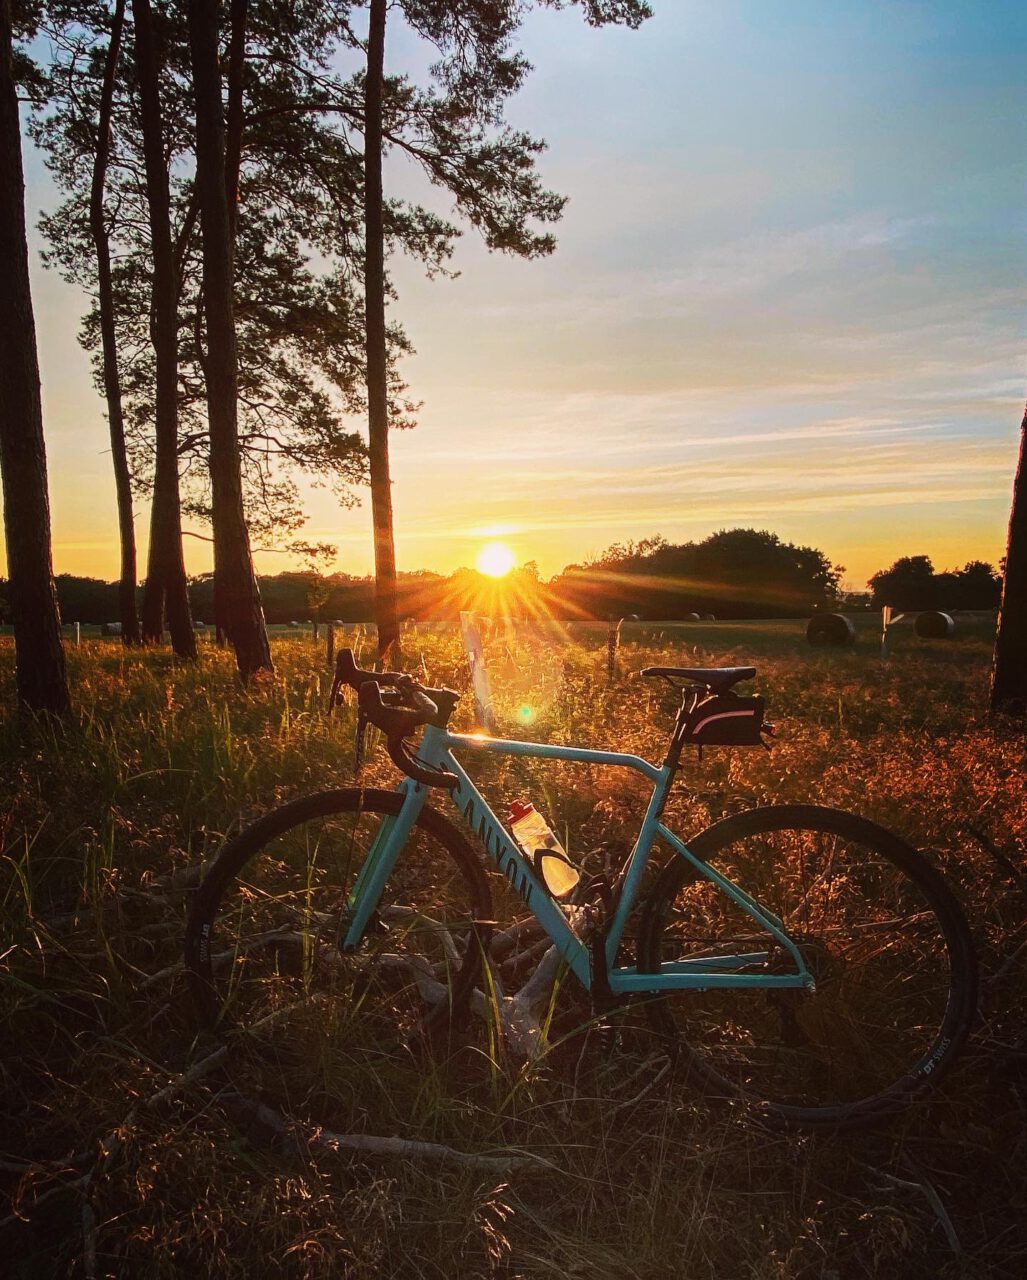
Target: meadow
x,y
117,1161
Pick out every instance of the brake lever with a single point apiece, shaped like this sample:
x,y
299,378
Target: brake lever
x,y
422,702
335,698
428,775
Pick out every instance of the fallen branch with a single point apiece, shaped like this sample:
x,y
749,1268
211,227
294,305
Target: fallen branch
x,y
932,1198
271,1126
518,958
113,1142
184,878
989,846
519,1014
646,1088
507,938
520,1023
1008,964
88,1239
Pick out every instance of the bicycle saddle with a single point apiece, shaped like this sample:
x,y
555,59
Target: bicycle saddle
x,y
719,679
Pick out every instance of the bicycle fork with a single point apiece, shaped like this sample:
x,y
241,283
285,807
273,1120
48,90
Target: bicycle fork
x,y
391,836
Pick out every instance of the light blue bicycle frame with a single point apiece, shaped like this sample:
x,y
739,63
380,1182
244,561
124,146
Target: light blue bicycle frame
x,y
695,973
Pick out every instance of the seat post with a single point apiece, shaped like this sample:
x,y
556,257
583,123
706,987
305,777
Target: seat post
x,y
690,695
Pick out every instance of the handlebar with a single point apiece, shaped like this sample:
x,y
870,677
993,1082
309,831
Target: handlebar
x,y
347,672
398,714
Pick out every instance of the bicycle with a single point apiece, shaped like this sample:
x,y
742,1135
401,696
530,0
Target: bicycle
x,y
800,959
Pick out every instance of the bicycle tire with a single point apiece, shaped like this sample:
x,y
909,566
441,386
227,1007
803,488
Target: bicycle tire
x,y
265,928
874,922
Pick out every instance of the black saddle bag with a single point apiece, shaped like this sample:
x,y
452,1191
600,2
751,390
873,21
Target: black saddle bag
x,y
725,720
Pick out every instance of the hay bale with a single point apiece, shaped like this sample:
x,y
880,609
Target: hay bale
x,y
111,629
934,625
831,630
692,617
708,617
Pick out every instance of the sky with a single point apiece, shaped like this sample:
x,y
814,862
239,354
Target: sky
x,y
788,294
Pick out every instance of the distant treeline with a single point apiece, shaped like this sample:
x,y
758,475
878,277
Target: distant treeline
x,y
736,573
912,583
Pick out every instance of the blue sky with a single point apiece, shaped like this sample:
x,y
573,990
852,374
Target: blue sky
x,y
788,293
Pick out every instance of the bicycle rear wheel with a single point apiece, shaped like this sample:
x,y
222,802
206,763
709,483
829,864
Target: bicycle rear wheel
x,y
884,938
311,1025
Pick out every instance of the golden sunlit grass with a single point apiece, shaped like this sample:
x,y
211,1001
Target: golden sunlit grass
x,y
103,822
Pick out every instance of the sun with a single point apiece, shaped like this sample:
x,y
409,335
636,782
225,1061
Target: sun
x,y
495,560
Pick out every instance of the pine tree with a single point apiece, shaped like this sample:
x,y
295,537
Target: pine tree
x,y
298,326
166,587
295,147
108,336
386,614
39,655
236,597
454,130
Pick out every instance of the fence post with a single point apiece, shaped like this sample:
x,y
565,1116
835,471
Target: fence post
x,y
471,637
612,645
888,616
78,632
330,645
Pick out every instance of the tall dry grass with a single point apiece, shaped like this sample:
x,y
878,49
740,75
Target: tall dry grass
x,y
105,819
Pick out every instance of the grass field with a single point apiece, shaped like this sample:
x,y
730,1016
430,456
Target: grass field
x,y
105,820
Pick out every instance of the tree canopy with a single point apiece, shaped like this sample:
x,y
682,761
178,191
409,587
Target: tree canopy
x,y
734,573
912,583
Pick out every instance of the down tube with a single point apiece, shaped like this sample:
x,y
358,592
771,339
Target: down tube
x,y
509,860
381,858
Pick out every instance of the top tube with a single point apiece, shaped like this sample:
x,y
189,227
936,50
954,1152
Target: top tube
x,y
545,750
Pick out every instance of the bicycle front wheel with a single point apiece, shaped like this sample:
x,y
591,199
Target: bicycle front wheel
x,y
311,1024
881,933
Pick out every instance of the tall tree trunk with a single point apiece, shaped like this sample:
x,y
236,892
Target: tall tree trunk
x,y
377,357
166,588
234,114
238,14
1009,676
237,599
111,375
39,655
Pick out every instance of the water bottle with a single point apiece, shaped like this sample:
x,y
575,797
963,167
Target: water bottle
x,y
545,853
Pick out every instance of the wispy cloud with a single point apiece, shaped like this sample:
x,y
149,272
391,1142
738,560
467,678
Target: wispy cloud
x,y
788,293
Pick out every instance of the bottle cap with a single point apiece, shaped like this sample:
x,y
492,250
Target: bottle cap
x,y
519,809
